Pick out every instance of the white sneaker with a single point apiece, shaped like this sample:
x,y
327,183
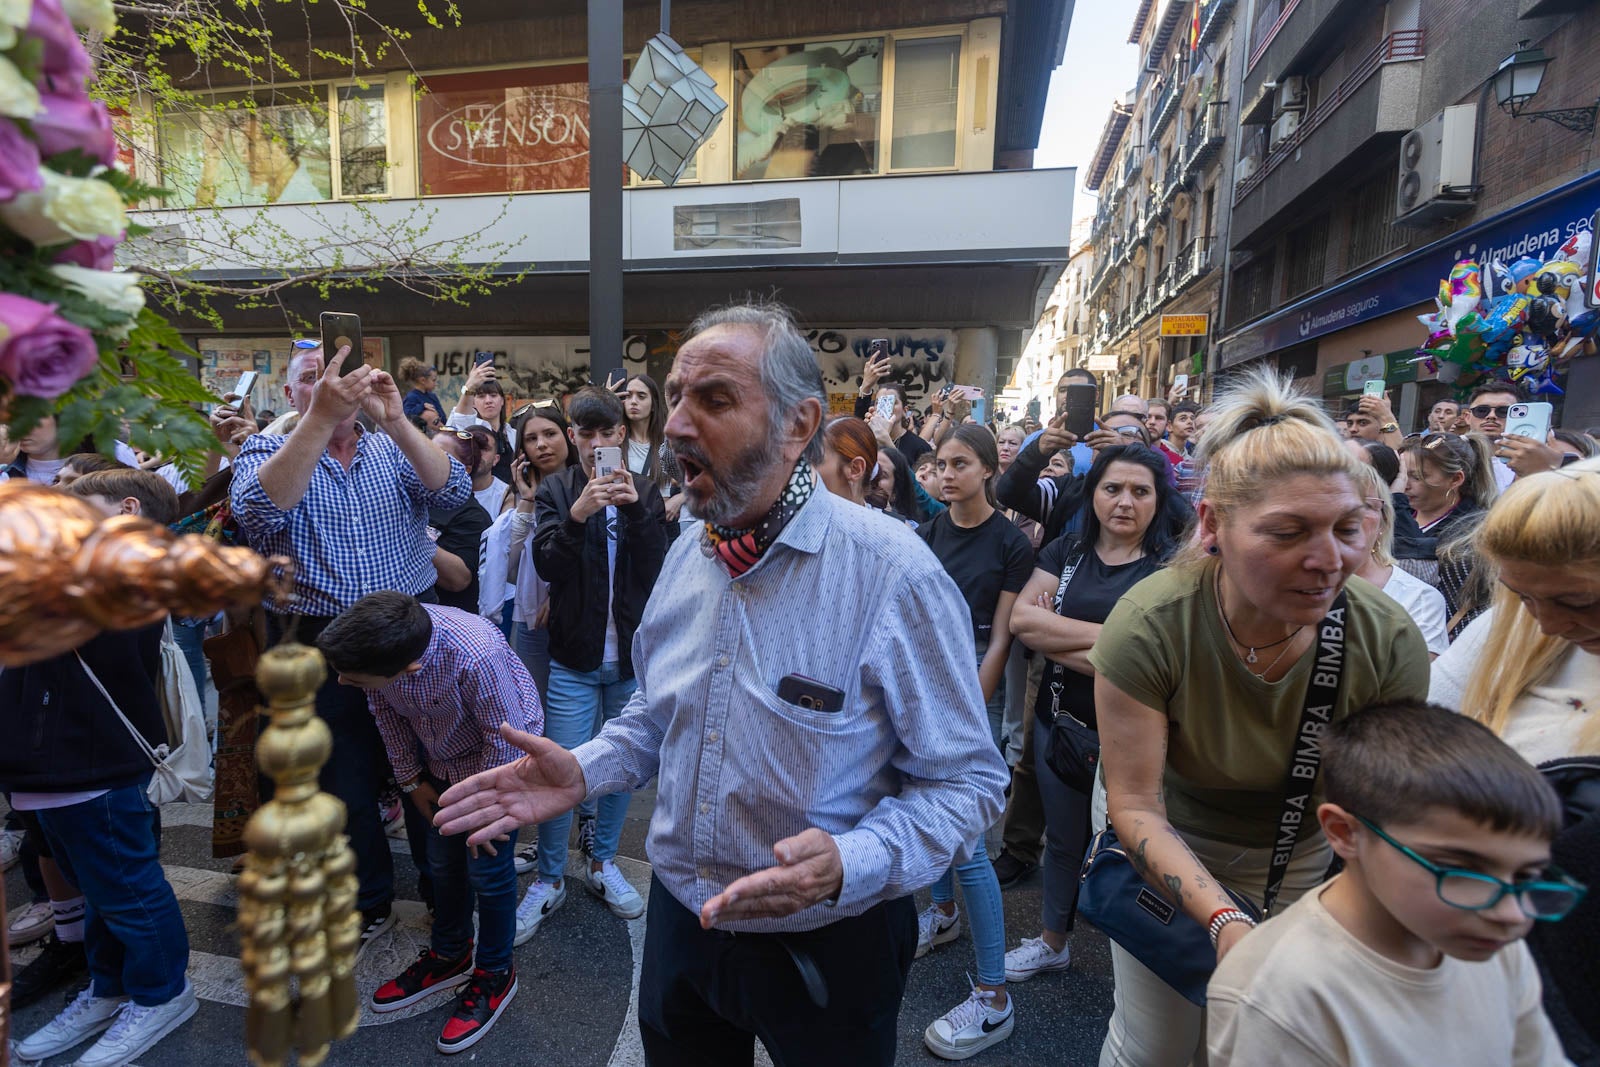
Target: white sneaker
x,y
86,1016
935,928
970,1027
1034,957
610,886
10,847
138,1028
538,902
31,923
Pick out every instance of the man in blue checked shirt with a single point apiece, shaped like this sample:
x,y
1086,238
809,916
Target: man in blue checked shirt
x,y
807,694
351,510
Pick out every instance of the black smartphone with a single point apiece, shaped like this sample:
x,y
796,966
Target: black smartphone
x,y
1080,410
341,328
810,694
480,358
879,349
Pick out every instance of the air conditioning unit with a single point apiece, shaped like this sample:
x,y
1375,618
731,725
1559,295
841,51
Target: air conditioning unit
x,y
1284,127
1291,95
1436,179
1248,165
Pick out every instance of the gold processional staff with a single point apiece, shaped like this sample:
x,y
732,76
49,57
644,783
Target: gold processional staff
x,y
67,572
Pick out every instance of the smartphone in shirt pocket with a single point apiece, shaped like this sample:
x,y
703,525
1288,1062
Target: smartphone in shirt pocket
x,y
810,694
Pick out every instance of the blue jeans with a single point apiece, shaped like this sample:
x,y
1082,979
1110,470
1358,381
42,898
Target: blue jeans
x,y
985,914
578,705
133,931
533,648
457,877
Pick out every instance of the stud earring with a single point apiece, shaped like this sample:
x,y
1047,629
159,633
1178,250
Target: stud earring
x,y
1214,550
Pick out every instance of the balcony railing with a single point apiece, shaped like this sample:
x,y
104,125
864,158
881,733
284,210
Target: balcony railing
x,y
1173,180
1400,45
1166,103
1211,19
1206,138
1266,28
1193,262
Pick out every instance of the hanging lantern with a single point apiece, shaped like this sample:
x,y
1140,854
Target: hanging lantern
x,y
670,108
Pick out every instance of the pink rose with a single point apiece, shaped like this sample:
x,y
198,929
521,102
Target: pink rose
x,y
41,354
72,120
65,62
19,161
98,254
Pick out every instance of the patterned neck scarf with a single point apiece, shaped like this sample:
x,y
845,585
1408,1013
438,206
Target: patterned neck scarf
x,y
738,550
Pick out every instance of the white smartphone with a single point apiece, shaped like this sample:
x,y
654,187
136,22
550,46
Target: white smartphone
x,y
886,406
1180,382
607,460
1530,420
246,384
1374,387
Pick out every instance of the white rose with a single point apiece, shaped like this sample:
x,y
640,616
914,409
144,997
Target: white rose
x,y
114,290
94,16
14,15
19,99
65,209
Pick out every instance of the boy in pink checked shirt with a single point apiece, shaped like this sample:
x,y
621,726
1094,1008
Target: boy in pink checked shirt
x,y
439,683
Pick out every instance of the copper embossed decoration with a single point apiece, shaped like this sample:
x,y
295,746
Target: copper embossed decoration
x,y
68,572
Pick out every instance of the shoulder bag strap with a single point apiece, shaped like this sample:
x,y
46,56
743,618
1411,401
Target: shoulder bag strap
x,y
150,753
1322,695
1057,671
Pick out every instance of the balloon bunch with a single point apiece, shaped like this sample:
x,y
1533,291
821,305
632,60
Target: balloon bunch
x,y
1520,320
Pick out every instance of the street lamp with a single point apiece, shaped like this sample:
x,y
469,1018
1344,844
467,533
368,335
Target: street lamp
x,y
1516,82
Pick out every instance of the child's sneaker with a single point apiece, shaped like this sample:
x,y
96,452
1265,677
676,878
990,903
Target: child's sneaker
x,y
970,1027
430,974
538,902
586,836
477,1007
138,1028
935,928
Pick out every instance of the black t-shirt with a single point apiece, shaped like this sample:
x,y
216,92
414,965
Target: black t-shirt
x,y
1096,587
985,561
461,533
912,447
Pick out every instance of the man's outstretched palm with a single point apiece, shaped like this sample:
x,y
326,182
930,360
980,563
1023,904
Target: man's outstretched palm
x,y
539,786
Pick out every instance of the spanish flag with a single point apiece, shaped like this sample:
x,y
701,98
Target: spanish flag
x,y
1194,28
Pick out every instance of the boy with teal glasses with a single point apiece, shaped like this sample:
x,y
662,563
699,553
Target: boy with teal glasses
x,y
1413,953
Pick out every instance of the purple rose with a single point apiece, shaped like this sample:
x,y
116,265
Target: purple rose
x,y
98,254
66,64
41,354
71,120
19,161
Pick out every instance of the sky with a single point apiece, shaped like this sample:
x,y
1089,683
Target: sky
x,y
1100,66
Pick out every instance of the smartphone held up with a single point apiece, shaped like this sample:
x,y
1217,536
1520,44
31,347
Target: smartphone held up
x,y
341,329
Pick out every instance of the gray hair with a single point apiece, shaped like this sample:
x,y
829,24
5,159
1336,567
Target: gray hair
x,y
789,371
1139,408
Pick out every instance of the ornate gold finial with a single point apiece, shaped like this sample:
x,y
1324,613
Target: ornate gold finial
x,y
297,894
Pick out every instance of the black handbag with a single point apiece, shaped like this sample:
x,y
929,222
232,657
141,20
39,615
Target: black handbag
x,y
1074,749
1159,934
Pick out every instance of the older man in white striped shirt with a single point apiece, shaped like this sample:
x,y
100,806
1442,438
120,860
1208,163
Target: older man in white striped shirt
x,y
808,698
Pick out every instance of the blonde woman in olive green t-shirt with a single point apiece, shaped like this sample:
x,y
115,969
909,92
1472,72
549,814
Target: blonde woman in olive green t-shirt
x,y
1201,678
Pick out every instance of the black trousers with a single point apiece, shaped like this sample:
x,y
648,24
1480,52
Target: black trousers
x,y
705,995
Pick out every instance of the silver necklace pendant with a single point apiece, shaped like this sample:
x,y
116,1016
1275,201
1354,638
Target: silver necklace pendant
x,y
1251,658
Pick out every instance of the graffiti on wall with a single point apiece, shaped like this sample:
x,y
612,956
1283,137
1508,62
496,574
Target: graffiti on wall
x,y
534,368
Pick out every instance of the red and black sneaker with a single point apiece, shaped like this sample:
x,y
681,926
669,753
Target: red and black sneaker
x,y
431,974
477,1007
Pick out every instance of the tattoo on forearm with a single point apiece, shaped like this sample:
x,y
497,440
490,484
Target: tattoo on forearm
x,y
1174,888
1140,861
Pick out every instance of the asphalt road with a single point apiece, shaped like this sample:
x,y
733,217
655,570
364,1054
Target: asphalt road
x,y
574,1006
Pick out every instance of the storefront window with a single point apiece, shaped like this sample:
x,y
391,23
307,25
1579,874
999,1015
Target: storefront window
x,y
927,75
363,140
236,154
504,131
808,110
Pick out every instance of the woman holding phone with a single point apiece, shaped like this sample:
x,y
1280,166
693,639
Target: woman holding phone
x,y
483,403
648,451
990,561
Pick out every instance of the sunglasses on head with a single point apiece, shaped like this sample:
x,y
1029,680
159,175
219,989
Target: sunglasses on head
x,y
1483,411
462,435
305,344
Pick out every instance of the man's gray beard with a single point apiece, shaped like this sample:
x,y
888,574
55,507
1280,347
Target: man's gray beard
x,y
735,489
